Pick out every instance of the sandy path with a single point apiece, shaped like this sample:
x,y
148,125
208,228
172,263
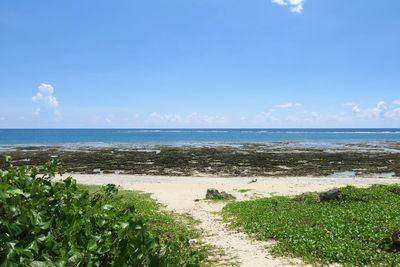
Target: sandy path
x,y
179,194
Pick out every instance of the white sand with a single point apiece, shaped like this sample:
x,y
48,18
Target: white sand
x,y
179,194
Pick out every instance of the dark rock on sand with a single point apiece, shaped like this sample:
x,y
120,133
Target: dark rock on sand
x,y
215,194
253,181
395,241
396,237
329,195
396,191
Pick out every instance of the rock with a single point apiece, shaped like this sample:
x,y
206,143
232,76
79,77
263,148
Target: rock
x,y
215,194
329,195
396,191
395,241
396,238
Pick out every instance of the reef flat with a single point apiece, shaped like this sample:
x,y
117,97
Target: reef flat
x,y
226,160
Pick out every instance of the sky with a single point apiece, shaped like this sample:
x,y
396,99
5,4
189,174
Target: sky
x,y
199,64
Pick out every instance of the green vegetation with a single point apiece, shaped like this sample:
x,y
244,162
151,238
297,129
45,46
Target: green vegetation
x,y
49,223
354,230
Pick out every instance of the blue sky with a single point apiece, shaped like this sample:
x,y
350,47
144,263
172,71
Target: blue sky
x,y
199,63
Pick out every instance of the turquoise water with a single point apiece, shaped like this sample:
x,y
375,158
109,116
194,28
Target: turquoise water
x,y
170,136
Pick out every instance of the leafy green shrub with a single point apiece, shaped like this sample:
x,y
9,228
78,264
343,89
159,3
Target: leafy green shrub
x,y
354,231
49,223
350,194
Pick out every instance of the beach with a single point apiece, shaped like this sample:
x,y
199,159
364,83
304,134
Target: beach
x,y
186,195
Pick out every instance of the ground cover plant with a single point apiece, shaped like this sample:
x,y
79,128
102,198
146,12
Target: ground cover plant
x,y
355,230
48,223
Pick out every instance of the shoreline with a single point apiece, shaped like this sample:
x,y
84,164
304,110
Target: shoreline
x,y
218,180
326,145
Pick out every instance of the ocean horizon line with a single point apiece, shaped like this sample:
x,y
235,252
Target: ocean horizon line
x,y
207,128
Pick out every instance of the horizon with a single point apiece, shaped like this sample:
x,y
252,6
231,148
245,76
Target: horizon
x,y
190,64
272,128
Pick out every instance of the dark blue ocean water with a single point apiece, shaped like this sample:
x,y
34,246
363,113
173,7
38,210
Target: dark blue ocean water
x,y
164,136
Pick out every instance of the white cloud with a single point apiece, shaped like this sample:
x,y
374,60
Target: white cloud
x,y
288,105
46,88
396,112
315,116
351,104
265,117
45,95
297,9
296,118
356,109
265,114
46,99
165,117
396,102
280,2
109,119
393,114
192,119
380,111
53,102
208,119
296,6
38,97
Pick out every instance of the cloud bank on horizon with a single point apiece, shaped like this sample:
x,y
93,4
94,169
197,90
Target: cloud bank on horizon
x,y
283,115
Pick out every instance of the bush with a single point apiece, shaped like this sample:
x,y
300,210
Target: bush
x,y
49,223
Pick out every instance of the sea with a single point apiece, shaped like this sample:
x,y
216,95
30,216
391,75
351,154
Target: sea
x,y
190,136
